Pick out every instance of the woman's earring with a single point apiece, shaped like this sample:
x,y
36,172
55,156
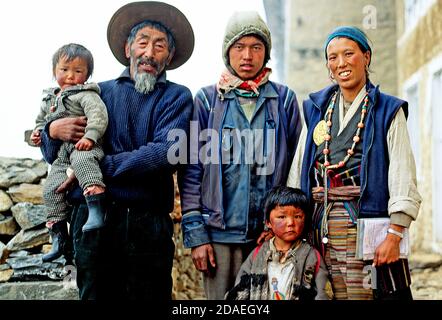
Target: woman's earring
x,y
330,75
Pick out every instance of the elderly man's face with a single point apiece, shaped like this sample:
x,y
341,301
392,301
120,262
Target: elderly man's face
x,y
247,57
149,54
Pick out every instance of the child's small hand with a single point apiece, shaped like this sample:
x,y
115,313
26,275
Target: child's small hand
x,y
35,138
84,144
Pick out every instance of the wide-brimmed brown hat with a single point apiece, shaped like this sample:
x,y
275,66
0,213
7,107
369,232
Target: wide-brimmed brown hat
x,y
134,13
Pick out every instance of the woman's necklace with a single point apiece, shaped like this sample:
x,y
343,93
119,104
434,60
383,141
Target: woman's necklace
x,y
356,138
340,164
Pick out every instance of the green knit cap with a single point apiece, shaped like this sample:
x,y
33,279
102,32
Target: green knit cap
x,y
245,23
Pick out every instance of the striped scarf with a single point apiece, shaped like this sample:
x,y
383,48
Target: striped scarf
x,y
229,82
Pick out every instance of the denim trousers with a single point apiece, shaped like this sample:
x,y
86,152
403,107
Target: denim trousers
x,y
130,258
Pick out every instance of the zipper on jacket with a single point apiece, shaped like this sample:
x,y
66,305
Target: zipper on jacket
x,y
220,167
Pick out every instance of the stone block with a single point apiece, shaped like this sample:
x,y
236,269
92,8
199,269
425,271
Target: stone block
x,y
5,201
6,275
16,171
3,252
38,290
25,192
29,215
27,239
9,227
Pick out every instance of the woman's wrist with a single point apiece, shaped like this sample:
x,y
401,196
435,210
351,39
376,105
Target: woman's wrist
x,y
393,237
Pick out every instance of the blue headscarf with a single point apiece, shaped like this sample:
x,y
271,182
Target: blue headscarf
x,y
349,32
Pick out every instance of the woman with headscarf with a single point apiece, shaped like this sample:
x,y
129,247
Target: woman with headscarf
x,y
355,161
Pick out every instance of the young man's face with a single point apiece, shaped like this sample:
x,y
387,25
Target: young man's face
x,y
246,57
149,52
287,223
70,73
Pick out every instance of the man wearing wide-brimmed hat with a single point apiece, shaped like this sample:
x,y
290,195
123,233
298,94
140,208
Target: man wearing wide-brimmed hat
x,y
131,257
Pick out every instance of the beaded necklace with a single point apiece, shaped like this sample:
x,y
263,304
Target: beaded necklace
x,y
340,164
356,138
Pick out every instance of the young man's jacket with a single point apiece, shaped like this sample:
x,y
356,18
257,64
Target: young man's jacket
x,y
309,281
375,161
203,198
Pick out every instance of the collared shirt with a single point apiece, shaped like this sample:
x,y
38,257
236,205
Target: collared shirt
x,y
346,114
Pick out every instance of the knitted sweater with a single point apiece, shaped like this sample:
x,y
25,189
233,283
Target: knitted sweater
x,y
135,167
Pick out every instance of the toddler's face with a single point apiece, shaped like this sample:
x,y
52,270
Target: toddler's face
x,y
287,223
70,73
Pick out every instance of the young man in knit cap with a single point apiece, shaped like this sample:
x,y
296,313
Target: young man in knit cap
x,y
131,256
254,126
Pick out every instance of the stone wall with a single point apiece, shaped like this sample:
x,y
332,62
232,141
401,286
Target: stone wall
x,y
187,281
23,236
24,239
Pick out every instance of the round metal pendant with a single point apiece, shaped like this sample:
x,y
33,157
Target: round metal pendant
x,y
325,240
320,132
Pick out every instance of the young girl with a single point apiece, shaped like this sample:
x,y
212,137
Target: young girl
x,y
72,66
285,267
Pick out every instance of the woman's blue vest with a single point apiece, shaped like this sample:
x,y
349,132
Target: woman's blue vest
x,y
382,108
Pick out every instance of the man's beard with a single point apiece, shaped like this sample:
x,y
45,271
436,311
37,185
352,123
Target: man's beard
x,y
144,81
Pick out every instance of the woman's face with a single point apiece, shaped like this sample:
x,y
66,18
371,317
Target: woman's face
x,y
347,63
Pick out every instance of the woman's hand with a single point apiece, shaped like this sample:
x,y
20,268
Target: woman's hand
x,y
388,251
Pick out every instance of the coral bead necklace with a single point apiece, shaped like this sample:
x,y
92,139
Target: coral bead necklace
x,y
340,164
356,138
